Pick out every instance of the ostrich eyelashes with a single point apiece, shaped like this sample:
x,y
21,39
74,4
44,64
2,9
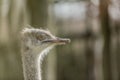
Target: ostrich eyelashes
x,y
42,37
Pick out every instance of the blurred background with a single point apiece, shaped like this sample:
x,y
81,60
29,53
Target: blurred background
x,y
92,25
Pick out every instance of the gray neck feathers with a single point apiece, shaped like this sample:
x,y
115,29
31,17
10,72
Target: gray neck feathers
x,y
31,63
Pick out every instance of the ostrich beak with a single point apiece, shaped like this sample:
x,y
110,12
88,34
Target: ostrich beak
x,y
58,40
61,40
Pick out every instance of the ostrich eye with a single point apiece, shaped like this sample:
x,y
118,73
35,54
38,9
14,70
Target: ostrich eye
x,y
40,37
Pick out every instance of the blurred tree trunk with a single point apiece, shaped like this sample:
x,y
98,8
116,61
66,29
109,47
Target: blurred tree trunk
x,y
38,10
115,25
106,35
13,15
118,49
94,53
90,58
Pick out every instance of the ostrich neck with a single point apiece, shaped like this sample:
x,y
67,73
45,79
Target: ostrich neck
x,y
31,66
31,63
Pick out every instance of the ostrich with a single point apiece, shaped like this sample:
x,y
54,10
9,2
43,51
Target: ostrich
x,y
35,44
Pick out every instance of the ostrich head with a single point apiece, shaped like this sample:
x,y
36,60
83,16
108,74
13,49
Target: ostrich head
x,y
39,39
